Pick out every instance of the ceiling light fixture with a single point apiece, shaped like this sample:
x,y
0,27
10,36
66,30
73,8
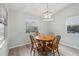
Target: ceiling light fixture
x,y
47,15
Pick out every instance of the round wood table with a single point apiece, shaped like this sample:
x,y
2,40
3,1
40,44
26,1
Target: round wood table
x,y
44,40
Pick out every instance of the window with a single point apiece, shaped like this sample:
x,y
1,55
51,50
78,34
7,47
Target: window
x,y
31,27
73,24
1,30
3,20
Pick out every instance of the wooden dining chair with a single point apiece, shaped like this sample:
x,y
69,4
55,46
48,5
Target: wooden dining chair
x,y
33,44
54,47
36,45
39,47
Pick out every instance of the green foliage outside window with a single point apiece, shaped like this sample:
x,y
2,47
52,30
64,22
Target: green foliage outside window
x,y
31,29
73,28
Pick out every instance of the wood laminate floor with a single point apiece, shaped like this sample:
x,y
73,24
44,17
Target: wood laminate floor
x,y
25,51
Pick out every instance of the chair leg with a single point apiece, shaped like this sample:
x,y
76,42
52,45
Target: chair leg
x,y
34,53
53,53
31,50
58,52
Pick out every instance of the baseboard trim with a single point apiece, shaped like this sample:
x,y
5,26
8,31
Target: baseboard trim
x,y
63,43
18,45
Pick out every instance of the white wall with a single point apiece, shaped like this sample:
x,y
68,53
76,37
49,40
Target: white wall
x,y
16,29
58,25
44,27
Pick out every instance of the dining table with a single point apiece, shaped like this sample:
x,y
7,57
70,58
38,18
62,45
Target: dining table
x,y
45,39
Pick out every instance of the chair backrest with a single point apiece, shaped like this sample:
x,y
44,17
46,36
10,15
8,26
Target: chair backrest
x,y
32,39
37,33
58,38
56,41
